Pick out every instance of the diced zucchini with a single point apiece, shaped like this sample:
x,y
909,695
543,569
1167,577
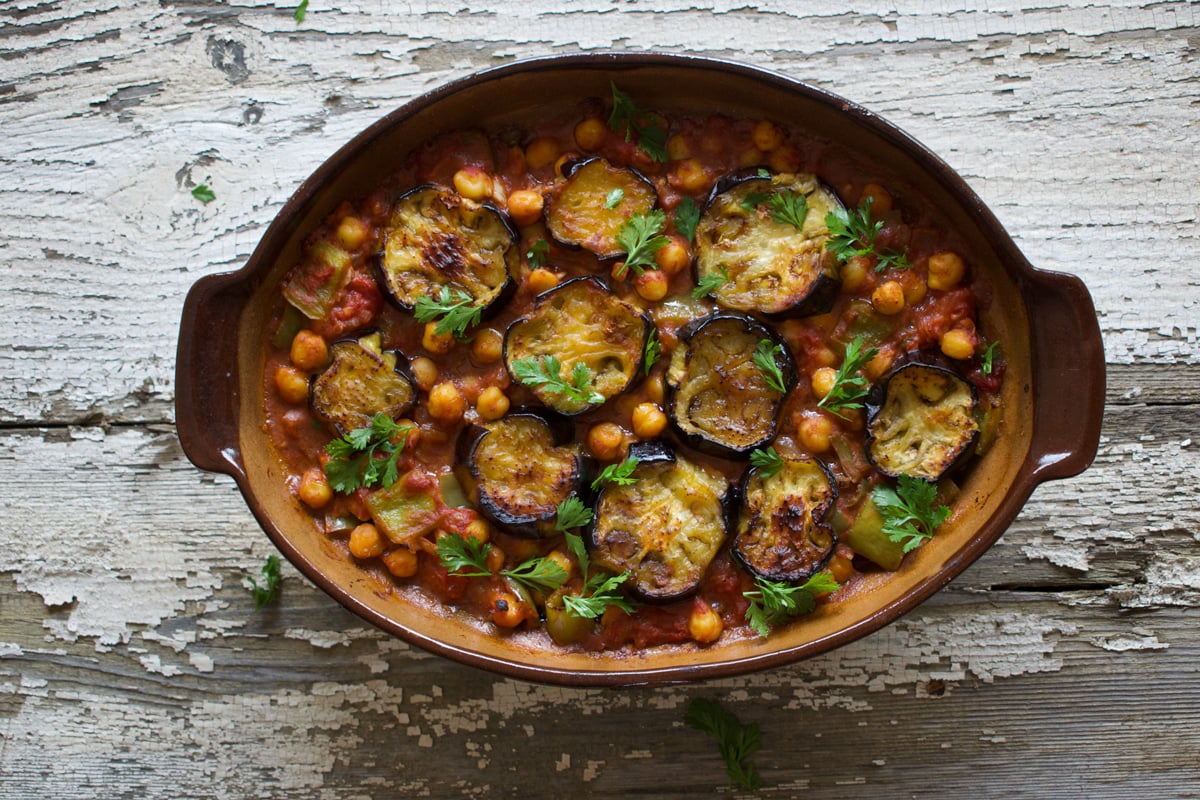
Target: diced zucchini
x,y
402,513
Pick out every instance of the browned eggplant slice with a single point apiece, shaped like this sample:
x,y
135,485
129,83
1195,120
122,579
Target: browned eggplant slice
x,y
719,400
920,421
435,238
579,346
362,380
593,203
773,267
664,528
781,534
518,470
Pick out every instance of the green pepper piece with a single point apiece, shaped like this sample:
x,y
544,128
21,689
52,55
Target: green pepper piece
x,y
313,287
867,538
402,513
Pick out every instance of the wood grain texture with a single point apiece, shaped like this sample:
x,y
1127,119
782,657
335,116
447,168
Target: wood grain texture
x,y
132,664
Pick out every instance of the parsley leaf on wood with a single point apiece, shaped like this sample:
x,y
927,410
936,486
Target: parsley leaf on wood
x,y
852,233
301,11
618,474
269,590
687,217
911,512
352,458
737,742
773,603
204,194
651,135
849,384
641,237
764,359
547,371
454,310
467,558
768,461
710,283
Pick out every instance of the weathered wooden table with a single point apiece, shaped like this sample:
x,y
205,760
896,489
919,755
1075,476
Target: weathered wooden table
x,y
132,663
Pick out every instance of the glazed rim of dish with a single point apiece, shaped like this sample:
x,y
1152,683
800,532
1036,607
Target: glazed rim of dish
x,y
1052,395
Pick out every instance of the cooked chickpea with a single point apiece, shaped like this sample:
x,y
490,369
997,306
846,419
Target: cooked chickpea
x,y
352,232
309,350
689,176
606,441
479,530
366,541
446,403
914,287
678,148
824,357
473,183
652,285
314,489
434,342
704,623
888,298
494,560
541,151
591,133
823,380
562,560
841,568
855,273
543,280
488,346
881,199
648,420
785,158
292,384
525,206
816,434
673,257
750,157
401,562
424,372
958,344
492,403
656,387
507,610
880,364
618,272
767,135
945,270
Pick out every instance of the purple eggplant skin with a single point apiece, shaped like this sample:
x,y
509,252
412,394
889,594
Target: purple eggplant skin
x,y
562,477
346,422
591,223
710,442
444,253
956,435
799,541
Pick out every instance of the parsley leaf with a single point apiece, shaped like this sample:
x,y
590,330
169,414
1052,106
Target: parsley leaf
x,y
910,512
467,558
789,208
852,233
271,579
537,253
651,135
454,310
353,463
737,742
547,371
849,384
764,359
773,602
768,461
710,283
687,217
614,198
988,359
618,474
301,10
641,237
204,194
599,592
571,513
753,200
651,351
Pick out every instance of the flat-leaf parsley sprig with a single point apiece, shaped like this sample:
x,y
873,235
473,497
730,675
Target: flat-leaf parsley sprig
x,y
454,310
646,126
768,462
600,590
687,217
617,474
789,207
467,558
268,590
773,603
737,742
547,371
641,237
366,456
849,384
911,512
853,233
764,358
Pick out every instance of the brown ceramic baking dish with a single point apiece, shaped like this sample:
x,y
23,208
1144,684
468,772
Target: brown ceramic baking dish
x,y
1053,392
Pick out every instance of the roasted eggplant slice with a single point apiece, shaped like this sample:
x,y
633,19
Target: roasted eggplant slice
x,y
362,380
593,203
518,471
720,399
436,238
920,421
748,235
781,534
577,347
664,528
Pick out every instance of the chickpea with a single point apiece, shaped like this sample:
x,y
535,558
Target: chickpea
x,y
492,403
314,490
673,257
958,343
750,157
525,206
618,272
352,232
880,364
494,560
648,420
541,152
562,560
656,388
606,441
678,148
507,610
590,133
785,158
488,346
816,434
823,380
888,298
914,287
704,623
881,199
479,530
652,285
309,350
542,280
841,567
401,562
366,541
446,403
945,270
424,372
824,356
855,273
767,135
434,342
292,384
473,183
689,176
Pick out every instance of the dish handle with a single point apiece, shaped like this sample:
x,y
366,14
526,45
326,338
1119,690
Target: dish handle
x,y
206,376
1068,375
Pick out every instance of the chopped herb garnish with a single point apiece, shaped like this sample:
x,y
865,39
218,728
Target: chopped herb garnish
x,y
753,200
268,591
849,384
301,10
204,194
467,557
352,458
641,237
852,233
768,461
618,474
789,207
687,216
454,310
650,351
614,198
651,135
571,513
773,603
538,252
987,361
737,742
910,512
764,359
710,283
547,371
599,592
